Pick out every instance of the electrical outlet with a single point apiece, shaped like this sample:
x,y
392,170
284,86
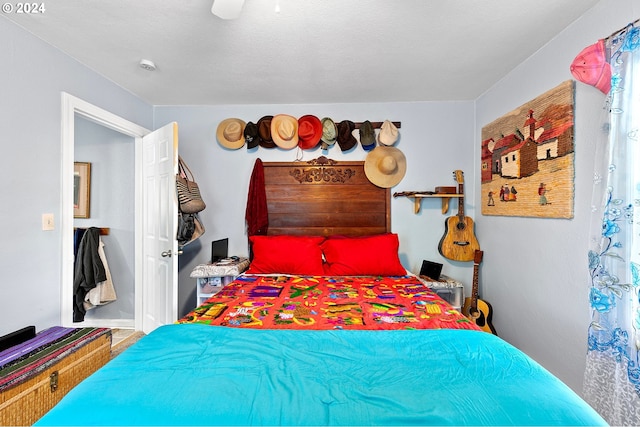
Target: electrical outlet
x,y
47,222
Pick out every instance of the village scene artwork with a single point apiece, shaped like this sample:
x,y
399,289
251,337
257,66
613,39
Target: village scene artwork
x,y
527,164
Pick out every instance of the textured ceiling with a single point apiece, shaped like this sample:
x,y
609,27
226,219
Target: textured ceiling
x,y
303,51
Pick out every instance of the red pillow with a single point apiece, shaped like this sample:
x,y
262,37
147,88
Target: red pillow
x,y
363,256
287,255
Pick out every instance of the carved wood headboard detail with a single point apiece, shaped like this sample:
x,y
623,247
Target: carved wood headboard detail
x,y
325,197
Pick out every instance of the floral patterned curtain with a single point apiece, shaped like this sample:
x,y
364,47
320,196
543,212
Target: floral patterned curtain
x,y
612,377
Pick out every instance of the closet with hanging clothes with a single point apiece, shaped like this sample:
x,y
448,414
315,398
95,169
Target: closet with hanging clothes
x,y
92,282
111,198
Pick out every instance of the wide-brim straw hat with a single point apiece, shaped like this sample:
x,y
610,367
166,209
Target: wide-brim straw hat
x,y
230,133
284,131
385,166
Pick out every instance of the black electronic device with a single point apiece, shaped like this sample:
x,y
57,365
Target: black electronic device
x,y
17,337
431,269
219,250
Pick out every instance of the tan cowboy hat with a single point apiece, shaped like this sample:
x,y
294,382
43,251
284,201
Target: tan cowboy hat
x,y
385,166
388,133
230,133
284,131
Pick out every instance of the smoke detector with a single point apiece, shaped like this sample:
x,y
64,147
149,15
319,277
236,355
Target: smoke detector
x,y
147,65
227,9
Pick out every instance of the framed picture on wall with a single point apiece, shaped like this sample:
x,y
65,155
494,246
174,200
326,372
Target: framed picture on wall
x,y
81,189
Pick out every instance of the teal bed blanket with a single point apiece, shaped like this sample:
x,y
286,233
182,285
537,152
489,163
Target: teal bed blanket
x,y
194,374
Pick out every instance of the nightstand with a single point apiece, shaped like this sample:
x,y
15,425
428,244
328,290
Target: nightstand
x,y
211,278
448,289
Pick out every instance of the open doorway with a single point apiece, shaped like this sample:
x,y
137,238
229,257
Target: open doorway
x,y
110,156
154,218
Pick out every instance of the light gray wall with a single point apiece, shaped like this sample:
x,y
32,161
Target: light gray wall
x,y
436,138
32,76
111,155
535,270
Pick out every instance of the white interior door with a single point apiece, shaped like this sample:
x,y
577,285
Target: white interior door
x,y
159,302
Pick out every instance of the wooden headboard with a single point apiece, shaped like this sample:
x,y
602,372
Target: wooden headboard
x,y
324,197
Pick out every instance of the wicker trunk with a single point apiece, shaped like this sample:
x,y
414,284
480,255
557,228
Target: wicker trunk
x,y
26,402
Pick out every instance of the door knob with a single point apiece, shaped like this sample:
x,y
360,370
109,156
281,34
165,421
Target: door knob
x,y
166,254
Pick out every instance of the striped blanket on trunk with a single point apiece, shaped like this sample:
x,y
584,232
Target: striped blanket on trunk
x,y
26,360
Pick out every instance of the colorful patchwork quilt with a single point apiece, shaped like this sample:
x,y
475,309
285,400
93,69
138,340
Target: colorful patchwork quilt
x,y
328,302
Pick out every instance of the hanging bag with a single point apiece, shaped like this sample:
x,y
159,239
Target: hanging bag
x,y
186,228
190,228
189,196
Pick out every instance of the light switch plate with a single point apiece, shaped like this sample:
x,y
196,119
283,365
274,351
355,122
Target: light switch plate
x,y
47,222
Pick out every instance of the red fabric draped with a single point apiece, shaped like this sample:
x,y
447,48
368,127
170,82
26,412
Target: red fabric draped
x,y
256,214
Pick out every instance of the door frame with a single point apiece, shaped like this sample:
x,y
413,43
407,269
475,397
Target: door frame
x,y
71,106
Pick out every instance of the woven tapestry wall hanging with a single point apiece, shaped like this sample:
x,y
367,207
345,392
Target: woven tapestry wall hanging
x,y
528,158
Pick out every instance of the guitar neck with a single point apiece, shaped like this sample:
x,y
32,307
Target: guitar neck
x,y
477,259
461,200
474,290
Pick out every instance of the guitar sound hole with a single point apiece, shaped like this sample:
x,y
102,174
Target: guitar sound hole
x,y
460,226
480,321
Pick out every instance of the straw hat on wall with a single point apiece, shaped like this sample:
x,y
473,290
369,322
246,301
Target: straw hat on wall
x,y
284,131
385,166
230,133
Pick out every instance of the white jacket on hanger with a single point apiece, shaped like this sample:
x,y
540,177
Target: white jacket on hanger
x,y
104,292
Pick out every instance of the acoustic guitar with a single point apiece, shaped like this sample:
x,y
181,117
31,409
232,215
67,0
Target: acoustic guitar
x,y
459,241
477,310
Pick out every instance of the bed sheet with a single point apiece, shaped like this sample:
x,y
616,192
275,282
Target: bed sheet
x,y
195,374
328,302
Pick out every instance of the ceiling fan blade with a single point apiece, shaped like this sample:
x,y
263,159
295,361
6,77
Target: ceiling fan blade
x,y
227,9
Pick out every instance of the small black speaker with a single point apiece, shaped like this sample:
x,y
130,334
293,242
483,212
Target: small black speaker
x,y
17,337
431,269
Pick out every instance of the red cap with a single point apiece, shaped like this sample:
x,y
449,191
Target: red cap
x,y
592,68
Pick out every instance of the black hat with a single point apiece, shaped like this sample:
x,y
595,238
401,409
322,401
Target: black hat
x,y
251,135
346,140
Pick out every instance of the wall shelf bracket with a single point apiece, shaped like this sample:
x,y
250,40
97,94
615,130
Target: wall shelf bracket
x,y
417,197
